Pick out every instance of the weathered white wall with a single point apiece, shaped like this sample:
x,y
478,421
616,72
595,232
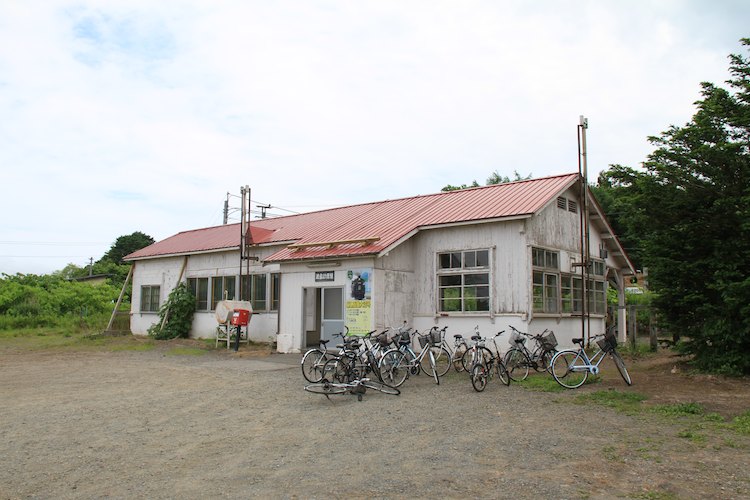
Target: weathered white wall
x,y
165,272
162,272
295,278
395,287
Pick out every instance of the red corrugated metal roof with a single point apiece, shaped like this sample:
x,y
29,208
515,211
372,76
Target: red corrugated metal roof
x,y
386,221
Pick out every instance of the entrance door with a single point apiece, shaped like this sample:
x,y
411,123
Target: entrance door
x,y
332,317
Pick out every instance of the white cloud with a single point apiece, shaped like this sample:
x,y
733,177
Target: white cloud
x,y
125,116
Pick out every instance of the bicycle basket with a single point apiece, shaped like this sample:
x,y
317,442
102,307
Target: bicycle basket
x,y
607,343
516,338
436,336
383,339
404,336
424,340
549,341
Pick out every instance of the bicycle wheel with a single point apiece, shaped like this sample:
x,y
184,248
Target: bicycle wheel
x,y
312,365
336,370
326,388
569,369
394,368
457,364
442,360
479,377
517,364
620,364
546,360
502,372
467,361
382,387
432,366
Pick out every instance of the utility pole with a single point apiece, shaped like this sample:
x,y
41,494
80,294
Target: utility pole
x,y
226,210
263,209
583,125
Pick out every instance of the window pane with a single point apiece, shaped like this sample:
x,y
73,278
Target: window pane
x,y
145,298
450,299
229,287
155,294
470,259
551,260
450,260
258,293
537,257
538,291
275,290
550,293
476,279
201,297
217,291
483,258
450,280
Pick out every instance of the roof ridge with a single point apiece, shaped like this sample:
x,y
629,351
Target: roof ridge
x,y
414,197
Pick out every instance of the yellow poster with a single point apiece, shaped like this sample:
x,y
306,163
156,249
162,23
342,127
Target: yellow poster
x,y
358,317
358,301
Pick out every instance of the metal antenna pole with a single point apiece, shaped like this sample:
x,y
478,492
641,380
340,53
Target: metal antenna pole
x,y
585,234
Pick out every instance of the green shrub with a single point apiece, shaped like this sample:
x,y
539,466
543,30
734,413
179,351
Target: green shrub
x,y
178,309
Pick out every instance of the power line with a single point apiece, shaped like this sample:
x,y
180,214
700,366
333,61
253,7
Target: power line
x,y
53,243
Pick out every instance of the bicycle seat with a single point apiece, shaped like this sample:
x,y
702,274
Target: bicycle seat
x,y
577,341
324,342
457,336
476,337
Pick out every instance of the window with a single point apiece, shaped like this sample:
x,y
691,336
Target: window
x,y
571,294
275,291
199,288
223,288
464,281
254,290
598,268
150,295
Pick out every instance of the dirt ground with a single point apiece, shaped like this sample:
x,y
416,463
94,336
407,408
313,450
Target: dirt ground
x,y
154,424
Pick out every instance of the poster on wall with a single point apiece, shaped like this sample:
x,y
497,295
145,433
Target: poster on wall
x,y
358,301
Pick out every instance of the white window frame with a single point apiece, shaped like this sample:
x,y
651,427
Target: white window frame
x,y
468,279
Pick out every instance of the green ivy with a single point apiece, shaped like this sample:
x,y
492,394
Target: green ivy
x,y
179,309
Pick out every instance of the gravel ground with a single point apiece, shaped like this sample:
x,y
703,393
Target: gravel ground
x,y
150,425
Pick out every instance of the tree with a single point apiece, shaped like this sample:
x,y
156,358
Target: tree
x,y
125,245
689,215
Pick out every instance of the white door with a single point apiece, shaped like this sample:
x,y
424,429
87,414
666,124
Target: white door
x,y
332,314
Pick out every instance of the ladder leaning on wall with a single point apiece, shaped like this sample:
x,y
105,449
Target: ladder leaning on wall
x,y
114,327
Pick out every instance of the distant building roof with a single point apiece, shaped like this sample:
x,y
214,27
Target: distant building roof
x,y
369,228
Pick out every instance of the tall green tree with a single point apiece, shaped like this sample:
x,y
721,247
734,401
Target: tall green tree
x,y
688,214
125,245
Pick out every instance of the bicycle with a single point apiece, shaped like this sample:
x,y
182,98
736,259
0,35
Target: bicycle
x,y
351,382
519,359
482,370
470,356
354,357
571,367
398,363
313,360
455,354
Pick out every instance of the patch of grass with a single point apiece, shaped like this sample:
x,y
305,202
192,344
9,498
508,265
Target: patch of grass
x,y
692,435
186,351
741,424
625,402
541,382
139,347
679,409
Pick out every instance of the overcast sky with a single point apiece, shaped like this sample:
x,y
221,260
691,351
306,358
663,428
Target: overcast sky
x,y
124,115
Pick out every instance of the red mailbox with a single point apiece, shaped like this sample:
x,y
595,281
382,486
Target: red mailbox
x,y
240,317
